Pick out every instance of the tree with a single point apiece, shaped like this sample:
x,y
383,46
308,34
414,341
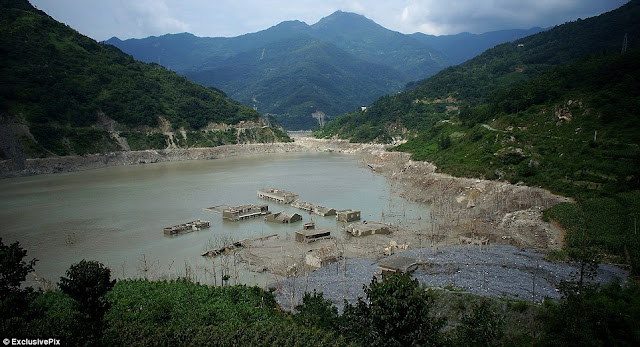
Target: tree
x,y
398,314
596,316
87,282
14,301
316,311
444,141
481,327
13,268
583,252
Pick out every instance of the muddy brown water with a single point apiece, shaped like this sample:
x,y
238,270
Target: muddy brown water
x,y
115,215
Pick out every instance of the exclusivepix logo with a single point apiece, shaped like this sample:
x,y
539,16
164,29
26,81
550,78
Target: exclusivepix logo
x,y
31,342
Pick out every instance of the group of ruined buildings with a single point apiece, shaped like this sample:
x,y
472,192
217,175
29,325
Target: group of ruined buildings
x,y
316,257
308,233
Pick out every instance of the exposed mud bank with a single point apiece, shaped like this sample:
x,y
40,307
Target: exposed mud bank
x,y
466,210
28,167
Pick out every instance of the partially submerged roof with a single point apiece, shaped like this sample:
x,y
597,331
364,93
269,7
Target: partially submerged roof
x,y
278,195
283,217
246,207
313,232
367,228
313,208
398,264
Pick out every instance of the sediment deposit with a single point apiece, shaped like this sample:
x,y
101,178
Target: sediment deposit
x,y
28,167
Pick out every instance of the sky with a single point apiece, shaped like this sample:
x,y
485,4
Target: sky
x,y
103,19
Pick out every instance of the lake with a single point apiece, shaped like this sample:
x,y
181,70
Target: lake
x,y
115,215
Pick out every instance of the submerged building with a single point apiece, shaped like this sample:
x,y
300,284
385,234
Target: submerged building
x,y
283,217
347,215
312,208
277,195
367,228
309,233
237,213
186,227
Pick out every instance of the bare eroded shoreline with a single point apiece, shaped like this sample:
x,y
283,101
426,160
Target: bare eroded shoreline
x,y
30,167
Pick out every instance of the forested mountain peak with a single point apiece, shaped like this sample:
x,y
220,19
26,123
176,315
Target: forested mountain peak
x,y
341,20
295,25
243,66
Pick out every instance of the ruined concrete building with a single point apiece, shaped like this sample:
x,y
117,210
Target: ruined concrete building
x,y
277,195
398,264
237,213
283,217
186,227
316,209
307,236
309,233
367,228
318,258
348,215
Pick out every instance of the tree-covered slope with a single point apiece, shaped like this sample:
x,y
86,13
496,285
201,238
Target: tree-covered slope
x,y
397,310
574,129
294,79
372,42
470,84
61,91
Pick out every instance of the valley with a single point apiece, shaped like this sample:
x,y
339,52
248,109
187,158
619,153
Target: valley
x,y
293,69
486,186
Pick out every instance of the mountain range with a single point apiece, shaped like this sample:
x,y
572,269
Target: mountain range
x,y
293,70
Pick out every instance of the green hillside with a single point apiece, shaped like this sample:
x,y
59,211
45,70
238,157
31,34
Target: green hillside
x,y
510,114
371,42
470,84
75,95
573,129
293,79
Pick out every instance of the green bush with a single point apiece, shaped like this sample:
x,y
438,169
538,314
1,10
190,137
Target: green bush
x,y
596,317
395,306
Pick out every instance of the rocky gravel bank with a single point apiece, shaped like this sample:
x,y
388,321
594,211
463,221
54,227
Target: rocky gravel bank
x,y
497,270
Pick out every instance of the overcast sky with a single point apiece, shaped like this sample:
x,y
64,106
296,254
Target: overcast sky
x,y
102,19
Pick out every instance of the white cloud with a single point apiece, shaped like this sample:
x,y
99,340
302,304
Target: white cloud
x,y
151,16
454,16
102,19
351,6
